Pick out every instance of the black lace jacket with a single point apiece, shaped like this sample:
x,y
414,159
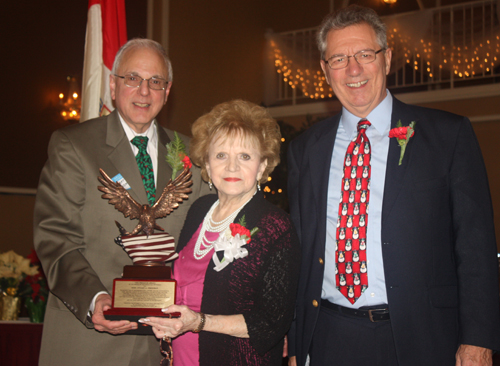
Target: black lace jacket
x,y
262,286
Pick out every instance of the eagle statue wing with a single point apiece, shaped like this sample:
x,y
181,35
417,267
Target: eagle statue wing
x,y
119,197
174,193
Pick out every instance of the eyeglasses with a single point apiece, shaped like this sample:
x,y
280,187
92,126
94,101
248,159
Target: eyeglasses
x,y
135,81
166,351
362,57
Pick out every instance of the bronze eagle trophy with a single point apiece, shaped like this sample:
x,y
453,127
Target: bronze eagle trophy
x,y
175,192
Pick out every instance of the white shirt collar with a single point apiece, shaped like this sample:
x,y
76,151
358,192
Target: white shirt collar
x,y
380,118
150,132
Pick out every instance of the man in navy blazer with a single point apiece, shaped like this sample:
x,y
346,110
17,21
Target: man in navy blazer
x,y
432,295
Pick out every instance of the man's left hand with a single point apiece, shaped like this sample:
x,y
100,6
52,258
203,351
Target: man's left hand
x,y
468,355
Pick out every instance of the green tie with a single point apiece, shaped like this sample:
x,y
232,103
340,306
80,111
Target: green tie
x,y
145,167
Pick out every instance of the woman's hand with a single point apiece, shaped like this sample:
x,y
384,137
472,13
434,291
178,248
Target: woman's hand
x,y
173,327
233,325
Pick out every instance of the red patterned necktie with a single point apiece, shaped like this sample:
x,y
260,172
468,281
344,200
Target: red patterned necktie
x,y
350,257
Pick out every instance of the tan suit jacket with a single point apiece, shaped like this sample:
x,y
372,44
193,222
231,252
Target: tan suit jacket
x,y
74,230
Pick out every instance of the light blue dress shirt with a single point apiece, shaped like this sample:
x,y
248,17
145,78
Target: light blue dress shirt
x,y
378,134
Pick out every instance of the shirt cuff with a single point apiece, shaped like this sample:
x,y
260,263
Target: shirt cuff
x,y
92,304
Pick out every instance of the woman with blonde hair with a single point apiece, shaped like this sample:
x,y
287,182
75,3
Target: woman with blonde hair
x,y
239,255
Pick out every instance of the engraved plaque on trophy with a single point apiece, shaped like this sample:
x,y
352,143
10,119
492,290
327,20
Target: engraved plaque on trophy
x,y
145,287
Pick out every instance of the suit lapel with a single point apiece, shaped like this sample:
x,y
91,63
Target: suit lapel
x,y
320,161
395,173
164,173
123,158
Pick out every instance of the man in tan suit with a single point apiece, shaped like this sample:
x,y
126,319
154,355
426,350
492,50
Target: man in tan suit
x,y
74,227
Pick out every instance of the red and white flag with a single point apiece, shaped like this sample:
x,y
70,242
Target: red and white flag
x,y
106,33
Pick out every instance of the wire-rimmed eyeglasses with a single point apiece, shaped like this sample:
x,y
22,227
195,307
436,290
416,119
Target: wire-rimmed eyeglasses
x,y
362,57
135,81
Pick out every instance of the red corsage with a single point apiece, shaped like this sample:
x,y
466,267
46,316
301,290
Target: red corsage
x,y
243,231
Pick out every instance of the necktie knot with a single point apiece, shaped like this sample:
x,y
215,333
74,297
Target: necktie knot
x,y
363,124
141,142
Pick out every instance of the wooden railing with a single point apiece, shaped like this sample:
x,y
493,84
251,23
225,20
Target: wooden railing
x,y
441,48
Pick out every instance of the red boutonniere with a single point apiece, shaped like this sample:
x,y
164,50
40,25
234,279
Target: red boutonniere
x,y
187,162
403,135
176,156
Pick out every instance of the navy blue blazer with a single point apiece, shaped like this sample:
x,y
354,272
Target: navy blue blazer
x,y
438,239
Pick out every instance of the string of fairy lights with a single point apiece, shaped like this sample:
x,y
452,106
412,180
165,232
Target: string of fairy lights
x,y
311,83
465,61
472,58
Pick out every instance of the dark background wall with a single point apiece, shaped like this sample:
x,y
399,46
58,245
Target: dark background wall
x,y
42,43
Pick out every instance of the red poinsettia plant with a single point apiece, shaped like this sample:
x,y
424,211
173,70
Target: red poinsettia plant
x,y
403,135
34,286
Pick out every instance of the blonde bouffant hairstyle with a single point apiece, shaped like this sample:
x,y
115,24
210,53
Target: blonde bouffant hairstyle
x,y
234,119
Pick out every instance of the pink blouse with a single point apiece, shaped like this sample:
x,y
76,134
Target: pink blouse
x,y
190,275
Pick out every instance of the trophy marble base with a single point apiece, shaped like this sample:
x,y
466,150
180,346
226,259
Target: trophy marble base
x,y
142,292
134,315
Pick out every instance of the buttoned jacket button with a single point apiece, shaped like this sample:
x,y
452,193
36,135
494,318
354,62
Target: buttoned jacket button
x,y
321,261
315,303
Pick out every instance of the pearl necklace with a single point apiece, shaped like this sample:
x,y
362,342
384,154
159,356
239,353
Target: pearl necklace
x,y
216,227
